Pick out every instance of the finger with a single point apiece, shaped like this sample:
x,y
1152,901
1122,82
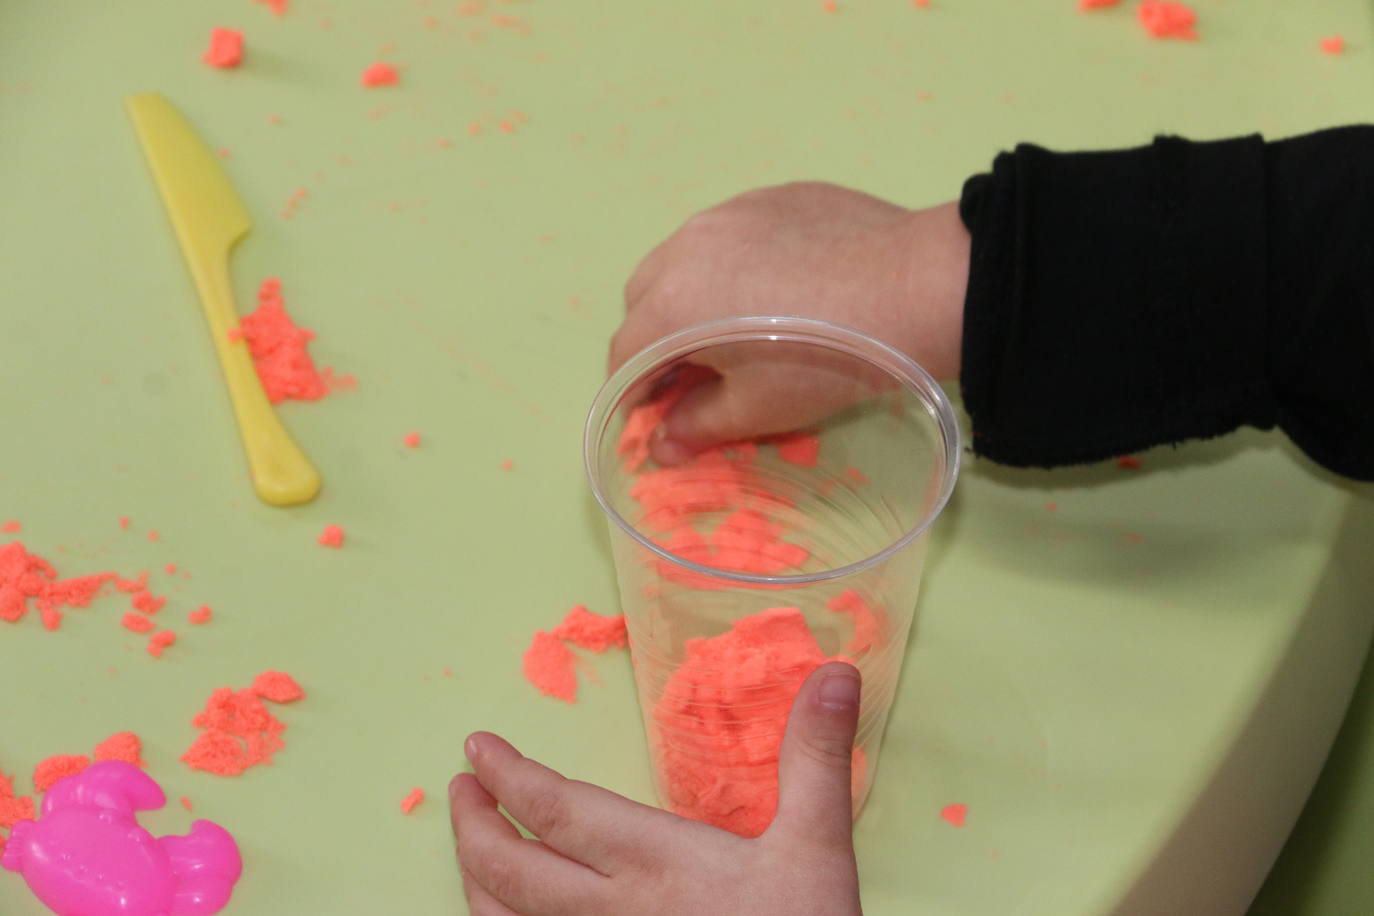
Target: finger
x,y
524,875
583,822
746,402
480,901
641,327
814,794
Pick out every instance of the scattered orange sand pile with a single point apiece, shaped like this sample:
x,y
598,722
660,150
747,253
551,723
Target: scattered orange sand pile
x,y
226,49
954,814
238,731
122,746
279,351
332,536
551,666
138,623
593,632
28,581
408,803
159,641
380,74
1167,19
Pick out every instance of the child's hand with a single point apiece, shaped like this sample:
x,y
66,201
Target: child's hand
x,y
810,250
601,854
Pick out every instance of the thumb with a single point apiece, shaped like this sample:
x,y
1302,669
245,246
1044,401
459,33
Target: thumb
x,y
814,794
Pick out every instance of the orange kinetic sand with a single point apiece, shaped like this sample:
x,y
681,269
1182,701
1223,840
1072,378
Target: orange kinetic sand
x,y
867,624
159,641
1096,4
594,632
954,814
1167,19
720,721
332,536
709,483
633,445
238,731
380,74
1333,45
11,527
12,809
744,541
124,746
548,665
410,801
138,623
145,601
279,351
293,203
412,440
226,49
276,6
132,585
27,581
54,768
277,686
200,615
801,450
1128,463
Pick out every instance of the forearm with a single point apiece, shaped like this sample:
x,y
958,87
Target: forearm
x,y
1125,299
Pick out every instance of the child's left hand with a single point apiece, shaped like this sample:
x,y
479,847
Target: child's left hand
x,y
600,853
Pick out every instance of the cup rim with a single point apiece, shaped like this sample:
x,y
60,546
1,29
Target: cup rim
x,y
778,328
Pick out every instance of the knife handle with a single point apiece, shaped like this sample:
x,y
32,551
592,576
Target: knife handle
x,y
281,473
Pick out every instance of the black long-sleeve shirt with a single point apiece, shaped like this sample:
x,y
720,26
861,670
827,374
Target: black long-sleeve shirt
x,y
1119,300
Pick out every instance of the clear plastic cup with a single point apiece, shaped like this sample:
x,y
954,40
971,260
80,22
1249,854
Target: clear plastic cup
x,y
748,566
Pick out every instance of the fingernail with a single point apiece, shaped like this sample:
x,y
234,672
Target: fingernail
x,y
839,692
470,748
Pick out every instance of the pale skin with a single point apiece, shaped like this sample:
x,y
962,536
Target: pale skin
x,y
810,250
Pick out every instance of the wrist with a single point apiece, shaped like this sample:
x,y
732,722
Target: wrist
x,y
938,249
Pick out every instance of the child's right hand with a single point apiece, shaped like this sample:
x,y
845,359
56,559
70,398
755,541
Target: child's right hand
x,y
810,250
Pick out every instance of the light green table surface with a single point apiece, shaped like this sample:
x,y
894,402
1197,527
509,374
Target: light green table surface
x,y
1132,723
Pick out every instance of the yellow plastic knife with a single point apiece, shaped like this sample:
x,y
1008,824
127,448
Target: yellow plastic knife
x,y
209,220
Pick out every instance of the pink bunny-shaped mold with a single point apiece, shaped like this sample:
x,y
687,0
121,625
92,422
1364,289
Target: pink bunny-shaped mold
x,y
86,855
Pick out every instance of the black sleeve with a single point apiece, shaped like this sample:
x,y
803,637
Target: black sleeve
x,y
1119,300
